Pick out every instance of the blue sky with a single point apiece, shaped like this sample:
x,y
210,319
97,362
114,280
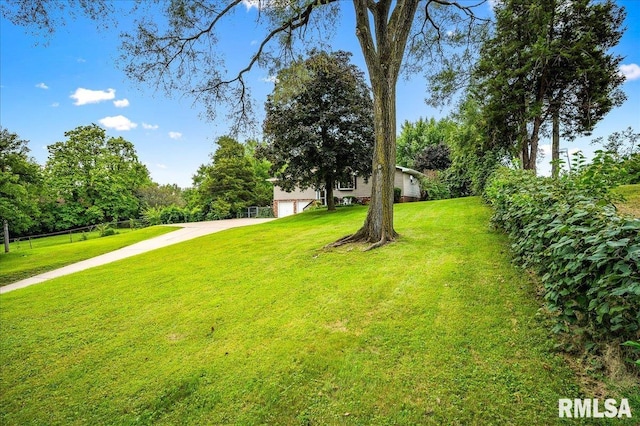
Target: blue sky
x,y
73,80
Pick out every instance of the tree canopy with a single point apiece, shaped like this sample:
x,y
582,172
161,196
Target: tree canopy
x,y
226,186
548,63
319,124
415,137
93,178
20,183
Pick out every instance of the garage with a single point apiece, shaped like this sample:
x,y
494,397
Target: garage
x,y
285,208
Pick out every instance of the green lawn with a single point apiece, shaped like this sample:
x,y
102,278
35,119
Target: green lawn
x,y
259,325
55,252
631,205
65,238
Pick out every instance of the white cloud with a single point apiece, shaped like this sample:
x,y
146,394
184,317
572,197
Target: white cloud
x,y
631,71
270,79
119,122
161,166
150,126
81,60
121,103
251,3
86,96
545,149
55,104
42,86
175,135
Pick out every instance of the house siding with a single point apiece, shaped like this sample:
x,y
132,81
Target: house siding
x,y
362,191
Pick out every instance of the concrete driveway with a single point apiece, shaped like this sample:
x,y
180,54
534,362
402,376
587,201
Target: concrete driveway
x,y
188,232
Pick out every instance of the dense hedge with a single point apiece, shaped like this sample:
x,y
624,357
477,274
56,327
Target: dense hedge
x,y
171,214
588,256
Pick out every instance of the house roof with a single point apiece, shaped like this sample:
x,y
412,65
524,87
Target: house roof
x,y
409,171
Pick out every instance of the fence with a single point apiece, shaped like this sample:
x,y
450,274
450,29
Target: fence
x,y
71,235
259,212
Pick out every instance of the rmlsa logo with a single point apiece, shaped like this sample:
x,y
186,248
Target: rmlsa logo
x,y
591,408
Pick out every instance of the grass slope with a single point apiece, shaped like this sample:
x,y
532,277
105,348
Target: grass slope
x,y
631,205
56,252
258,325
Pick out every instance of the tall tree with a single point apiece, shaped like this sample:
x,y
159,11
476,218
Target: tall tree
x,y
226,187
93,178
177,51
319,124
263,192
416,137
20,183
548,64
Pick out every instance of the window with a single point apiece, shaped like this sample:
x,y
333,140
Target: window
x,y
347,186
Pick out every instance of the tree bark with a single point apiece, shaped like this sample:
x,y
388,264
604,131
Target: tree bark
x,y
6,236
383,55
328,192
530,146
555,145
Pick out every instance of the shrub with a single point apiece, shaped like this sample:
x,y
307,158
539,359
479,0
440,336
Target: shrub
x,y
171,214
632,167
105,229
152,216
587,255
220,209
174,214
397,193
433,188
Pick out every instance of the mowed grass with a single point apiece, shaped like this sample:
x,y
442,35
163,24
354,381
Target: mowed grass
x,y
631,205
55,252
260,325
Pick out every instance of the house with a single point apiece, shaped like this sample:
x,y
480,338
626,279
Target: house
x,y
288,203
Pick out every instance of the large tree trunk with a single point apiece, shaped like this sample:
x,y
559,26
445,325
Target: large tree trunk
x,y
530,147
378,227
383,55
328,193
555,145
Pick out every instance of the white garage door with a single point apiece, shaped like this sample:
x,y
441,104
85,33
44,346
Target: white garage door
x,y
285,208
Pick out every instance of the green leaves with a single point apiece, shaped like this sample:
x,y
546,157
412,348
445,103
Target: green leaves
x,y
586,254
20,182
92,178
319,130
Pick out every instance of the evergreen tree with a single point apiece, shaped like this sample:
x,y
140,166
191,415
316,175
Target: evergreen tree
x,y
548,65
226,187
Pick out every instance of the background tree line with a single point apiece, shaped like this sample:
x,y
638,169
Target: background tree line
x,y
91,178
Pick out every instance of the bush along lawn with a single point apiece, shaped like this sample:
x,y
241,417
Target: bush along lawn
x,y
260,325
56,252
588,256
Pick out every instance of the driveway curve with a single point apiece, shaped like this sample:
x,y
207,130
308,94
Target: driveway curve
x,y
189,231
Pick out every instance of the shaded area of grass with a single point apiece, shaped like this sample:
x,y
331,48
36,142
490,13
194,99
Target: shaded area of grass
x,y
631,205
56,252
258,325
